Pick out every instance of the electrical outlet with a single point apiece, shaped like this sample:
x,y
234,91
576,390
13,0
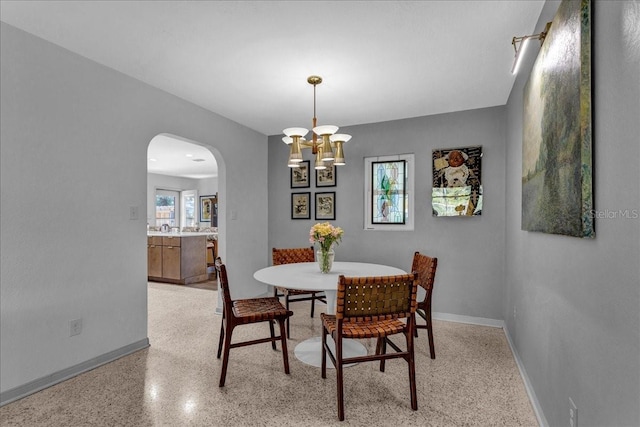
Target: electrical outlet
x,y
514,312
573,414
75,327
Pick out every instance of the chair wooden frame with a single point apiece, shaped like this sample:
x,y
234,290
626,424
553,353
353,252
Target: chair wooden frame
x,y
290,256
425,266
244,312
372,307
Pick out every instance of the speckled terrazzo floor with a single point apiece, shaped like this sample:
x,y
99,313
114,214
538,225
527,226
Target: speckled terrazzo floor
x,y
473,381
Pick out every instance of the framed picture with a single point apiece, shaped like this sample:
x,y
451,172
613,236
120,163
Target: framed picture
x,y
326,177
388,192
557,169
300,175
326,205
457,181
300,208
206,208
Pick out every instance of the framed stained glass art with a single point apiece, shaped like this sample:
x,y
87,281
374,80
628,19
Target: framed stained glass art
x,y
388,192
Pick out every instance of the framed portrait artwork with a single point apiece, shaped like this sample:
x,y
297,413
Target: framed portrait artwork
x,y
300,175
326,205
326,177
457,181
300,206
206,207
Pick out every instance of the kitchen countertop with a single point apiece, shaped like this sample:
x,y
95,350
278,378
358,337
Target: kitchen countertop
x,y
182,233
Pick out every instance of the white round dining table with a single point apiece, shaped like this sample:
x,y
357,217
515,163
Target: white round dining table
x,y
307,276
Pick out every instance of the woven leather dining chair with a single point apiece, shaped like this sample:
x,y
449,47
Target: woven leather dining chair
x,y
290,256
371,307
426,268
244,312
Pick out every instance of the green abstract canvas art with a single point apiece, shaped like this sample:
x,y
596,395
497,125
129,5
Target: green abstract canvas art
x,y
557,179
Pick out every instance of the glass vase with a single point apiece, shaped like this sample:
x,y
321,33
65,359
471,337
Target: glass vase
x,y
325,260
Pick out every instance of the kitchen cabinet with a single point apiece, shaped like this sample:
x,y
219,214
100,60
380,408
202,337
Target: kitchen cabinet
x,y
154,256
177,259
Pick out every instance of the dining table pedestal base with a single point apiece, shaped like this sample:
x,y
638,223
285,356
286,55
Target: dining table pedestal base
x,y
310,351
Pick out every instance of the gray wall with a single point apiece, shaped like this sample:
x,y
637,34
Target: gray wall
x,y
74,140
470,250
577,324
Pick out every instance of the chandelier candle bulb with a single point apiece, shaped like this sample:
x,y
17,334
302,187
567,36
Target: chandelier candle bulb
x,y
327,151
338,139
295,153
319,164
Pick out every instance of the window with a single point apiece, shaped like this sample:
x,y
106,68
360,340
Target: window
x,y
189,212
167,207
389,193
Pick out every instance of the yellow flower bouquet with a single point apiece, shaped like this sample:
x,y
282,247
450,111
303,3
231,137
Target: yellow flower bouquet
x,y
326,235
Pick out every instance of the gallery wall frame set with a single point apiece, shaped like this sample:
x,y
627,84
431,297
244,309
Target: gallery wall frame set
x,y
325,202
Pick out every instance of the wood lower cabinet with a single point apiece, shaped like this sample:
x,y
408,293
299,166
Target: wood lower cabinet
x,y
171,262
154,256
177,259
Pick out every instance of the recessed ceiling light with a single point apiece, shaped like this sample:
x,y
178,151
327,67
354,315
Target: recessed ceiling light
x,y
189,155
153,160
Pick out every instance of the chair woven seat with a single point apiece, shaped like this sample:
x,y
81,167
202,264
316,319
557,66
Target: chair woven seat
x,y
259,309
365,329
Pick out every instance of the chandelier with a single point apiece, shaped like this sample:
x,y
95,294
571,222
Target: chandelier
x,y
325,144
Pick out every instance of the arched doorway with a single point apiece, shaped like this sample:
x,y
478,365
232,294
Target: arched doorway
x,y
182,190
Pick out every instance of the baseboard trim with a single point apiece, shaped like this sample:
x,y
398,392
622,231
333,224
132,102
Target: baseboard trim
x,y
458,318
65,374
537,409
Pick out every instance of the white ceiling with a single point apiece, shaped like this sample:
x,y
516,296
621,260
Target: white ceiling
x,y
249,60
170,156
